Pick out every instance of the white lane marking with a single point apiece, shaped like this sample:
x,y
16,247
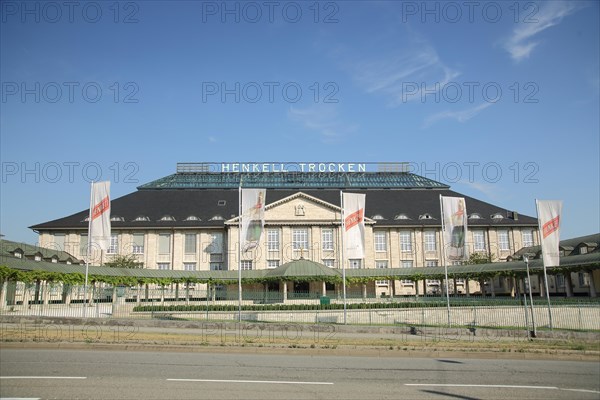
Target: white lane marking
x,y
582,390
248,381
20,398
483,386
43,377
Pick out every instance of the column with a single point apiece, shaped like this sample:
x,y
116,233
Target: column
x,y
568,285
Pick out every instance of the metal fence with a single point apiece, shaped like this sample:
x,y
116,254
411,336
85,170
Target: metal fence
x,y
220,304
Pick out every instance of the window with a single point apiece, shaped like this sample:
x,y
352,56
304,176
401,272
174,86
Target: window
x,y
18,254
164,243
503,243
527,238
167,218
38,257
141,218
300,238
329,263
380,241
407,282
216,266
117,219
426,216
246,265
327,239
407,264
138,243
272,264
273,239
192,218
583,279
191,266
221,203
431,263
54,259
59,241
381,264
190,243
83,244
164,266
429,237
216,243
560,281
475,216
405,242
113,247
401,216
479,240
583,250
217,218
377,217
497,217
432,282
355,263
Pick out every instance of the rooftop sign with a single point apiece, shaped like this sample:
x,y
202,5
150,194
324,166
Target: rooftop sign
x,y
309,167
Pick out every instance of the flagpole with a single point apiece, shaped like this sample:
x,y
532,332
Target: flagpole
x,y
240,252
444,259
343,225
540,232
89,244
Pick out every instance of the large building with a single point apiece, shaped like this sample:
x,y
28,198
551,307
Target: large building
x,y
189,220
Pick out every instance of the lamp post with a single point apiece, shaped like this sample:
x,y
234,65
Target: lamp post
x,y
526,259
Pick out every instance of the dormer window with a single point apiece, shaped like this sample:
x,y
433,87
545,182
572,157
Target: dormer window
x,y
117,219
377,217
167,218
18,253
583,250
425,216
87,219
192,218
37,257
216,218
221,203
475,216
55,259
401,216
497,217
141,218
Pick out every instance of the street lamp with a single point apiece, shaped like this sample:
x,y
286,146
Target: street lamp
x,y
526,259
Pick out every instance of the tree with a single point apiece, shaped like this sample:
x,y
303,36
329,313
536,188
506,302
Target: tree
x,y
479,258
124,261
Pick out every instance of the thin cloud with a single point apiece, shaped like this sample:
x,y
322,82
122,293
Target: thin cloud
x,y
490,190
212,139
521,44
323,119
460,116
419,69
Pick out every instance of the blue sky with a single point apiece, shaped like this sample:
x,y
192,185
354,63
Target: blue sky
x,y
501,101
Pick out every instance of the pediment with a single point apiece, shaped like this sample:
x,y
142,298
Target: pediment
x,y
298,208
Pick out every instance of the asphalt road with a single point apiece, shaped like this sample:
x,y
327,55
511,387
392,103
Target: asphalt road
x,y
102,374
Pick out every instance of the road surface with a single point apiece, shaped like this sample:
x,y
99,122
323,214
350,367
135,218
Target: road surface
x,y
102,374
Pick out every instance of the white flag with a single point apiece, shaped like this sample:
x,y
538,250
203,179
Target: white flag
x,y
454,213
99,228
252,218
353,214
549,224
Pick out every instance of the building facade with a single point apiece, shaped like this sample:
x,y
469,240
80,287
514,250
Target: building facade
x,y
189,221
